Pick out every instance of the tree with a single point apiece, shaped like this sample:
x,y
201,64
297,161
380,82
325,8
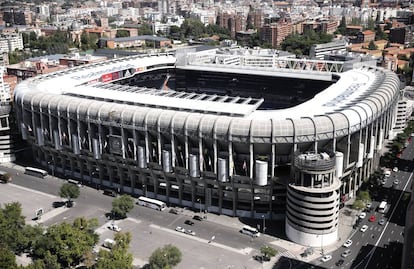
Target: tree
x,y
122,205
364,196
192,28
11,225
358,204
69,191
7,258
68,242
342,26
165,258
268,252
372,46
122,33
118,257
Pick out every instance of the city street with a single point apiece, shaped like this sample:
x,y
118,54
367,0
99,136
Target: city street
x,y
150,229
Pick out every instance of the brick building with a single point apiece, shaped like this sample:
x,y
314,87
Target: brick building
x,y
275,33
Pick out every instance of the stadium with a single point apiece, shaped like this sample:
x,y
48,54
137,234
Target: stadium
x,y
245,133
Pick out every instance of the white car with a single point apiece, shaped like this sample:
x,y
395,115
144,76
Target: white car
x,y
114,227
348,243
180,229
364,228
395,182
190,232
395,169
362,215
326,258
346,253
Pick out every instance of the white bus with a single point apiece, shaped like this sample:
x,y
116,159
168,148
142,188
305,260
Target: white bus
x,y
151,203
35,172
250,231
382,207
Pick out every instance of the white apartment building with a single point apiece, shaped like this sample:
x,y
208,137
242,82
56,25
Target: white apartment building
x,y
318,51
11,42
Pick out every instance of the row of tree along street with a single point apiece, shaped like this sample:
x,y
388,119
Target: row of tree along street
x,y
68,245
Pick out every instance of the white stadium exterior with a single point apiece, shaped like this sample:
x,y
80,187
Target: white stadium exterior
x,y
219,151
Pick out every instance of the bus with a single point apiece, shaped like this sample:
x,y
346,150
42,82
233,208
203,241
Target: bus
x,y
250,231
35,172
5,177
382,207
151,203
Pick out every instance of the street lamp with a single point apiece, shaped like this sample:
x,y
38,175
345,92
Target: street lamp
x,y
199,201
264,223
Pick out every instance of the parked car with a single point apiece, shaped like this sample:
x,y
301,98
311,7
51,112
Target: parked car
x,y
197,217
395,182
174,211
346,253
114,228
381,222
395,169
326,258
364,228
339,262
348,243
362,215
189,222
180,229
372,218
190,232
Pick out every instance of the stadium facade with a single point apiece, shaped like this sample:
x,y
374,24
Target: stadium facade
x,y
241,134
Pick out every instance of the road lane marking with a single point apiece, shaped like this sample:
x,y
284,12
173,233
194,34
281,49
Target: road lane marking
x,y
244,251
34,191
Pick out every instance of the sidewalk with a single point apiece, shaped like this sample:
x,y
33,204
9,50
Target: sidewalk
x,y
346,221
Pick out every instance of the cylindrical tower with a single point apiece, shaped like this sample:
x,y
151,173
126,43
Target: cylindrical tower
x,y
313,200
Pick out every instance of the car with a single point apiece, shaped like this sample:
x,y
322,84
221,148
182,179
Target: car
x,y
362,215
395,169
114,227
346,253
383,182
197,217
339,262
369,205
364,228
381,222
395,182
348,243
190,232
174,211
326,258
372,218
189,222
180,229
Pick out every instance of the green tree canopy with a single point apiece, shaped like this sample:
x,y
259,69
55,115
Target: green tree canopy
x,y
69,191
118,257
372,46
122,33
268,252
364,196
301,44
145,29
165,258
122,205
68,242
192,28
358,205
12,225
7,258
